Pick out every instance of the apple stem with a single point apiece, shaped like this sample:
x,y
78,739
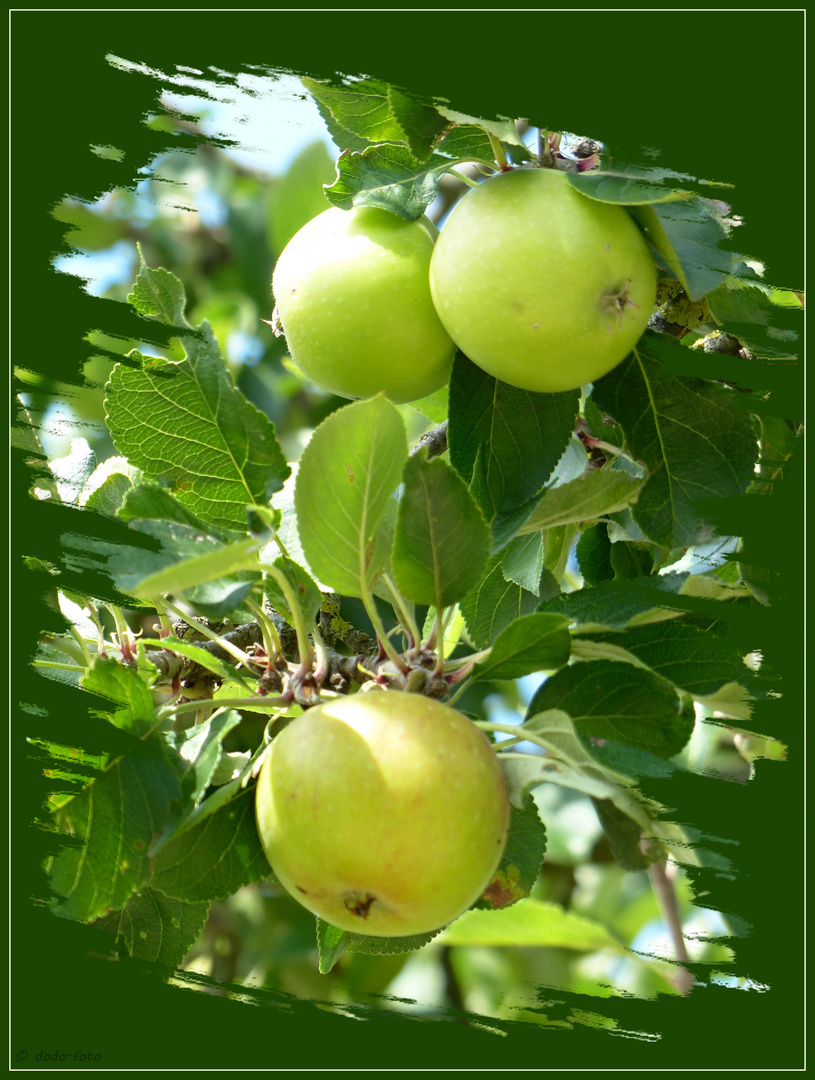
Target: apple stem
x,y
384,644
303,642
165,626
464,179
405,616
498,151
271,638
321,668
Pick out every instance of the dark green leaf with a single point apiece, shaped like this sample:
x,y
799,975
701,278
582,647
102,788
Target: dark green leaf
x,y
694,660
537,642
693,437
442,543
688,235
496,602
631,559
156,927
522,561
388,177
593,552
216,858
419,121
615,604
623,834
112,824
616,701
520,437
120,684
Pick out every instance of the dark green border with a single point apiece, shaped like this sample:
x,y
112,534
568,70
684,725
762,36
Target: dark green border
x,y
721,94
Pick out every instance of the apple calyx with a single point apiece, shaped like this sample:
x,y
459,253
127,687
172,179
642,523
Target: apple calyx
x,y
359,903
617,302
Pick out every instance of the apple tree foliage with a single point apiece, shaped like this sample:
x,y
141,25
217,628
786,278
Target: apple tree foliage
x,y
566,537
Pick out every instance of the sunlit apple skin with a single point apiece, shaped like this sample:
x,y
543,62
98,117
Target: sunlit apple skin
x,y
353,296
385,813
542,287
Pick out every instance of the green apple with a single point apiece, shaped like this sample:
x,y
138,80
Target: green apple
x,y
353,298
385,813
539,285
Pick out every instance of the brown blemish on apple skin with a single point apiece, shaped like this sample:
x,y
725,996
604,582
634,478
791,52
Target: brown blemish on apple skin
x,y
360,904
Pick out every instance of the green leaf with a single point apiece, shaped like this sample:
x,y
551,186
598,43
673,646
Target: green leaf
x,y
200,749
120,684
615,701
496,602
631,559
532,923
152,502
696,661
568,763
442,543
593,553
130,565
110,495
626,189
215,858
623,834
537,642
470,142
692,435
348,472
112,824
200,569
187,426
421,123
333,942
502,128
593,495
518,436
522,561
157,928
107,485
521,861
688,234
557,547
305,589
616,604
357,114
388,177
158,294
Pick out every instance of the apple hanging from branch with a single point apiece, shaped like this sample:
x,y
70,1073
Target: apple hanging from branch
x,y
385,813
352,297
540,286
